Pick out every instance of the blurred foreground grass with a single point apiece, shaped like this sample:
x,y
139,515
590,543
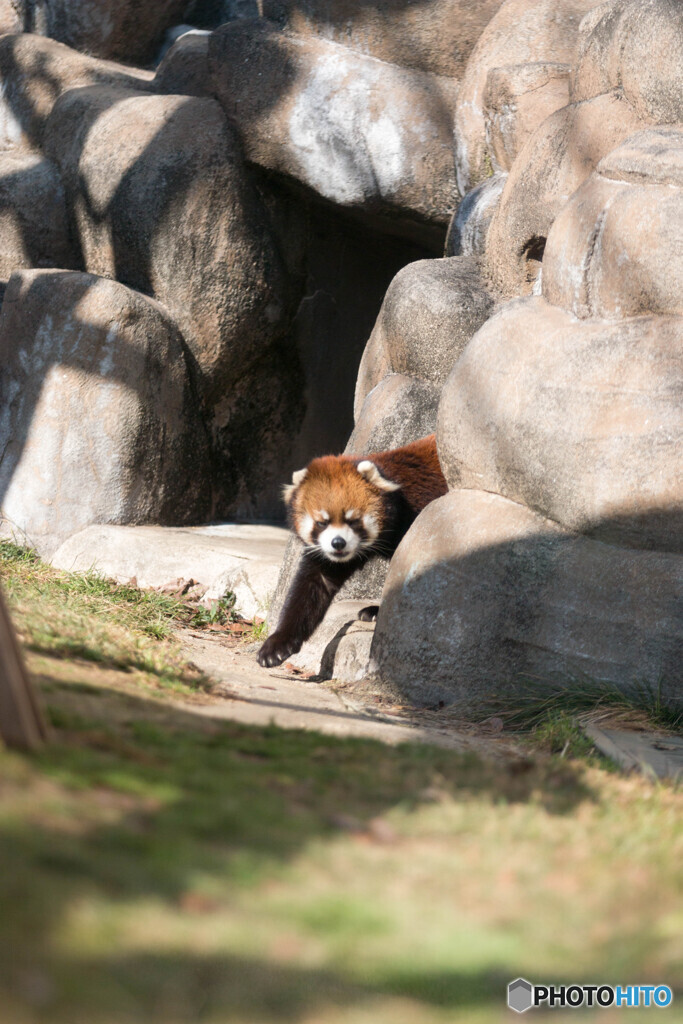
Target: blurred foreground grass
x,y
159,867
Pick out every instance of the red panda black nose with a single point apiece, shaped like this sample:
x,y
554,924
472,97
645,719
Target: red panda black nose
x,y
338,543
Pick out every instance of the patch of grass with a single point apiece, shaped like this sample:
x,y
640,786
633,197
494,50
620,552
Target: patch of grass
x,y
86,616
218,614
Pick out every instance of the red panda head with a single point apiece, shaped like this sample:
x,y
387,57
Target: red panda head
x,y
338,505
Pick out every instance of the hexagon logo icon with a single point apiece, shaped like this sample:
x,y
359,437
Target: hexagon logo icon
x,y
520,995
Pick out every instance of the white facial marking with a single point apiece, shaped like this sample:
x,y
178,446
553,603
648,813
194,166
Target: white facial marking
x,y
370,472
353,513
306,527
371,527
339,554
322,515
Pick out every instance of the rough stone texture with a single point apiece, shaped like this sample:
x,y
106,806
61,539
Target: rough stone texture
x,y
637,46
556,160
319,654
184,69
35,72
212,13
431,310
522,32
517,99
124,30
34,228
244,559
470,223
399,410
615,249
160,200
436,36
582,421
485,598
364,134
99,420
10,20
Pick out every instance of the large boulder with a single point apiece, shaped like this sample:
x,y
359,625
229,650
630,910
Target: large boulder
x,y
34,227
485,600
124,30
615,249
160,200
99,419
436,37
366,135
431,310
35,72
555,161
522,32
635,46
580,420
400,409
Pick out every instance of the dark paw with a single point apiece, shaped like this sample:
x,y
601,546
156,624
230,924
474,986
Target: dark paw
x,y
368,614
275,650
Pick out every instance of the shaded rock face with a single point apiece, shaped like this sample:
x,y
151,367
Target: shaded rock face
x,y
34,228
523,32
582,422
169,211
119,29
499,598
363,134
35,72
99,420
431,310
435,36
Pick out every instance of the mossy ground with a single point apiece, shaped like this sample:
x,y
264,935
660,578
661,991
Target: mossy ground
x,y
160,867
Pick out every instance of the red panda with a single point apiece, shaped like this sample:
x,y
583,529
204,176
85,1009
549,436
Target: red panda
x,y
348,509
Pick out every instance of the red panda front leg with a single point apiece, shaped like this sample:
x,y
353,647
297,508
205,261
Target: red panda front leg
x,y
308,599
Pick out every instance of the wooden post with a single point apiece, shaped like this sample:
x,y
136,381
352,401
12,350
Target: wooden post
x,y
21,721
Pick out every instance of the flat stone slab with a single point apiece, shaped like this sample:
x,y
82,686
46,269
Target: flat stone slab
x,y
242,558
648,752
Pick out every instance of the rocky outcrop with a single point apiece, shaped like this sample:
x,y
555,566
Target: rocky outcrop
x,y
436,38
34,227
122,30
363,134
169,211
99,421
522,33
28,96
581,422
501,601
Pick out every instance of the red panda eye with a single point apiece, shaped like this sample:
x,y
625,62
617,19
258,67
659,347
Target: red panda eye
x,y
321,524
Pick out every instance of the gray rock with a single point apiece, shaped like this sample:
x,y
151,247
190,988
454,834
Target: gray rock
x,y
169,210
328,654
399,410
635,46
614,250
99,419
364,134
438,40
34,228
184,69
522,32
470,223
580,420
431,310
25,100
124,30
519,97
244,559
557,159
486,600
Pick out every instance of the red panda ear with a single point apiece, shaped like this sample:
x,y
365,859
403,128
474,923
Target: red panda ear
x,y
369,471
297,478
